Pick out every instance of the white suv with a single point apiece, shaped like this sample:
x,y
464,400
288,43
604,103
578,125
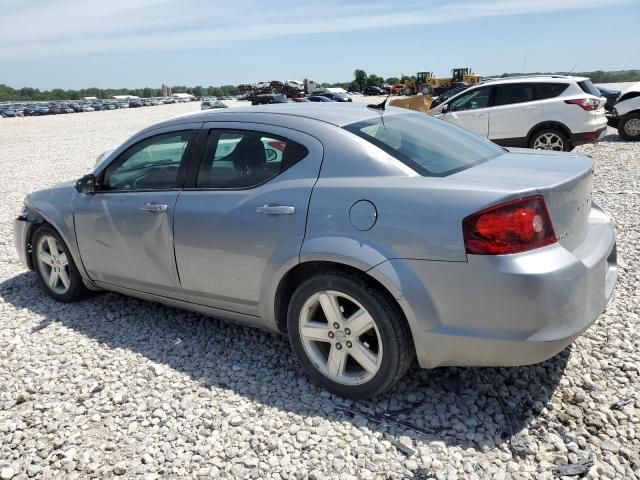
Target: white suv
x,y
552,112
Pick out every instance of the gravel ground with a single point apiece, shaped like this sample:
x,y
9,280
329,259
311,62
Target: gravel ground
x,y
113,386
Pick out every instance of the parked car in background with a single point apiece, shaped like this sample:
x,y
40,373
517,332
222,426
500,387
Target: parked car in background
x,y
268,99
372,90
300,99
208,104
10,112
55,109
336,97
552,112
610,94
625,115
41,110
318,98
371,240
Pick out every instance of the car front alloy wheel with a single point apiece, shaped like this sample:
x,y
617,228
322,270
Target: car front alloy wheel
x,y
56,270
53,264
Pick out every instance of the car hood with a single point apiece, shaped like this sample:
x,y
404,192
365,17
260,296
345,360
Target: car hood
x,y
103,157
633,88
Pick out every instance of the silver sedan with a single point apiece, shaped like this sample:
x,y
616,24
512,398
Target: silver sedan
x,y
370,237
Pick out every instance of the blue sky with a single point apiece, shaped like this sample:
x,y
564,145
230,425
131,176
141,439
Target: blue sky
x,y
137,43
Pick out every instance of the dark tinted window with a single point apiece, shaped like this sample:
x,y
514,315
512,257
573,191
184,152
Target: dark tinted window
x,y
551,90
473,100
514,93
428,145
588,87
242,159
151,164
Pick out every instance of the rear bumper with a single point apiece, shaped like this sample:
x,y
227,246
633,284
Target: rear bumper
x,y
588,137
506,310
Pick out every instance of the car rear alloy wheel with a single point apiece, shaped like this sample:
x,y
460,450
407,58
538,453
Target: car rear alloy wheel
x,y
57,273
629,127
550,139
348,335
340,337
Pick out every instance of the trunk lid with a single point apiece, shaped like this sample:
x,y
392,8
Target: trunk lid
x,y
564,179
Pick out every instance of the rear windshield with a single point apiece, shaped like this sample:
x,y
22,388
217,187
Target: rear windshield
x,y
430,146
588,87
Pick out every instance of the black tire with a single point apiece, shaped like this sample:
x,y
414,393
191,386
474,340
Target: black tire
x,y
398,351
76,290
622,123
426,89
566,144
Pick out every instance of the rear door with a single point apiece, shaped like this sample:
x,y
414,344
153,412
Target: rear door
x,y
244,214
516,110
471,111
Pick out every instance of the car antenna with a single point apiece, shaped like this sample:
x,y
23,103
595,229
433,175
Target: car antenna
x,y
380,106
574,67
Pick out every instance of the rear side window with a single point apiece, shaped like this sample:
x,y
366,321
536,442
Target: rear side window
x,y
588,87
245,159
430,146
551,90
515,93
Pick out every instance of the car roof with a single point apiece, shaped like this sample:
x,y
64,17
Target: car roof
x,y
533,79
335,113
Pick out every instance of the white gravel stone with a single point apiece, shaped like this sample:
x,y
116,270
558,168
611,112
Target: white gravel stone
x,y
104,386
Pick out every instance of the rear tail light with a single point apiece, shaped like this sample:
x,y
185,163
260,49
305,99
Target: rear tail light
x,y
278,144
512,227
585,103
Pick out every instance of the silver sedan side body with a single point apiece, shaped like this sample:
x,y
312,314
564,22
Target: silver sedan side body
x,y
213,253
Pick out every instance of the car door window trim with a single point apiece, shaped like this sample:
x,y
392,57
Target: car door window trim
x,y
206,148
182,168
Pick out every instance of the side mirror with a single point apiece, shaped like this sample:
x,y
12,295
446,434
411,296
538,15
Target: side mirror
x,y
445,108
86,184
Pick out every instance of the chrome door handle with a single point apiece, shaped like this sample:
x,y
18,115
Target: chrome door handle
x,y
478,114
528,109
155,208
275,209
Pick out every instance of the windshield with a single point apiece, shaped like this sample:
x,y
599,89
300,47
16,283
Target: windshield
x,y
430,146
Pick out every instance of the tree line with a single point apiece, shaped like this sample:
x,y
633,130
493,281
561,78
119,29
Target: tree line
x,y
27,94
360,81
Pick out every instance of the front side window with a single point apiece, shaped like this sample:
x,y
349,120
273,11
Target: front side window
x,y
151,164
244,159
514,93
430,146
472,101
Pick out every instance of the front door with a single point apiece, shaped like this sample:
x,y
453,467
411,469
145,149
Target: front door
x,y
125,229
244,217
470,111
